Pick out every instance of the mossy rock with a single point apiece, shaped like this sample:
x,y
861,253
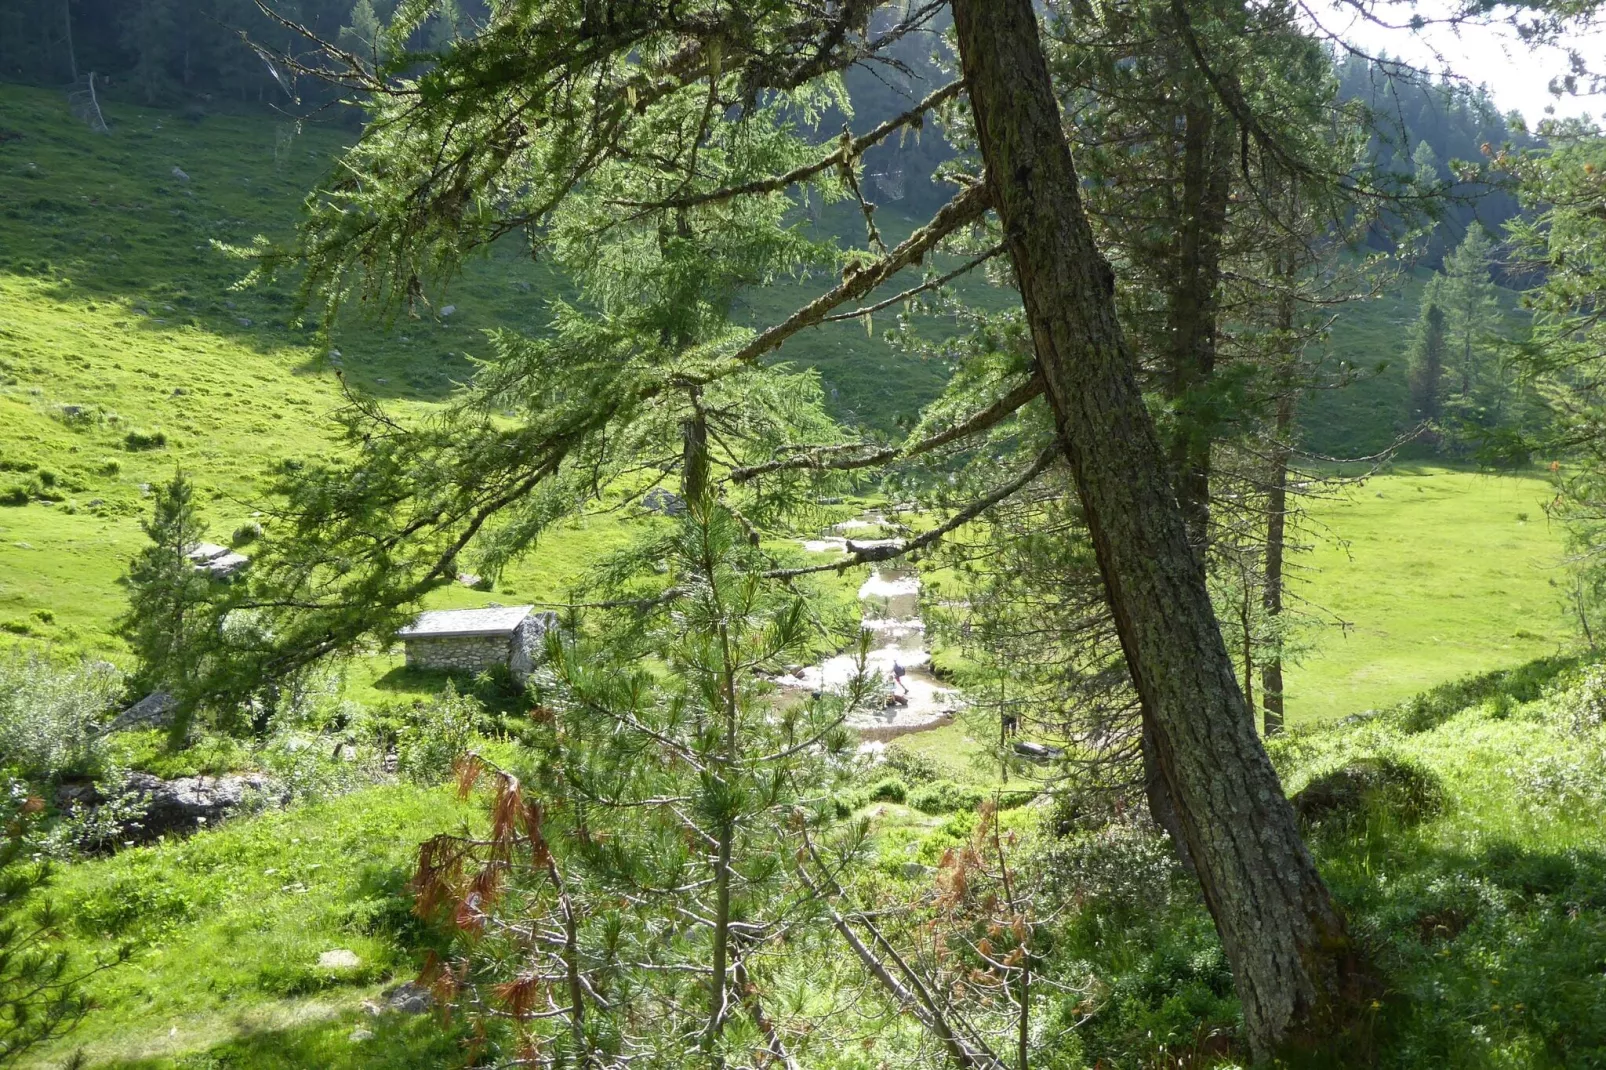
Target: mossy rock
x,y
1375,786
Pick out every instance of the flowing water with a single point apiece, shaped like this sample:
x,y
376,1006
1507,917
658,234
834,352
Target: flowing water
x,y
890,607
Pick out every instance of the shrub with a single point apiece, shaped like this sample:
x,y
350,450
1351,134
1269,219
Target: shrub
x,y
891,789
16,494
138,440
945,797
1583,708
914,768
1379,785
45,491
1574,780
436,735
1121,868
246,534
51,714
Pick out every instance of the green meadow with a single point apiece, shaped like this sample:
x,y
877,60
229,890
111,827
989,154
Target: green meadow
x,y
1418,577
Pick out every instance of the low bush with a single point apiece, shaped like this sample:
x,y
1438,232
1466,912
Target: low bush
x,y
913,767
435,735
15,494
138,440
1403,791
52,713
946,797
246,534
890,789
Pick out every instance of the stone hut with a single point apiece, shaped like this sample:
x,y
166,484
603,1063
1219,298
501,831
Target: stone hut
x,y
474,640
216,561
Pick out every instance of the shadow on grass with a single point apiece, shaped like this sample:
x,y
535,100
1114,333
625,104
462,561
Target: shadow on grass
x,y
1504,689
1492,957
348,1042
495,690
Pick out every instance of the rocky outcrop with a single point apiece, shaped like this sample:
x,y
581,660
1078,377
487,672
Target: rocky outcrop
x,y
174,807
155,710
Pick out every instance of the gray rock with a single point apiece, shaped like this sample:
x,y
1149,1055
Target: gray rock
x,y
408,998
178,173
1037,752
447,310
227,566
659,500
243,321
173,807
914,869
359,1035
202,552
191,803
229,305
155,710
339,958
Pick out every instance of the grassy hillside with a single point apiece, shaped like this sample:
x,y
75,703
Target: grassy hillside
x,y
118,322
125,351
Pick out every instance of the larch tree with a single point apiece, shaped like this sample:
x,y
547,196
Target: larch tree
x,y
1292,958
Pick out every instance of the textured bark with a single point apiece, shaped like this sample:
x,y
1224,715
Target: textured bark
x,y
1285,939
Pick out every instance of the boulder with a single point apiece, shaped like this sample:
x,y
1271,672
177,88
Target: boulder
x,y
203,552
171,807
155,710
178,173
339,958
191,803
1037,752
408,998
658,500
226,566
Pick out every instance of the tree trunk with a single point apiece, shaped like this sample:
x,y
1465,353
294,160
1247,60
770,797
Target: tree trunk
x,y
1280,930
1191,314
1271,673
72,53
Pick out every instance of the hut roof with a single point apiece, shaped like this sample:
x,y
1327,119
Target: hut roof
x,y
461,623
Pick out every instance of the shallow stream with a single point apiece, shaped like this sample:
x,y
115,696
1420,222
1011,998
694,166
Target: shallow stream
x,y
890,607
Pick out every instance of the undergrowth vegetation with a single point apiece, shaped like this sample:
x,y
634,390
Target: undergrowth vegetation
x,y
1458,829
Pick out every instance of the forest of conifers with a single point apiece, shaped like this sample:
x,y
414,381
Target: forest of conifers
x,y
962,533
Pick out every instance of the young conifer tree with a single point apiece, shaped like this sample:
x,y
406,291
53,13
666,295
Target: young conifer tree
x,y
41,986
632,903
166,622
